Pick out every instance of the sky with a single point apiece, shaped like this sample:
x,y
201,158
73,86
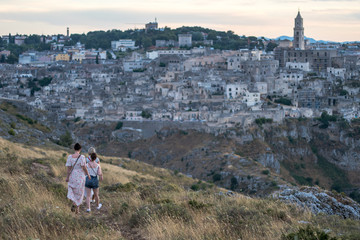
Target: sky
x,y
334,20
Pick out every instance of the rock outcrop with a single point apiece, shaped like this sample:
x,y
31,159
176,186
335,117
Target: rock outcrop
x,y
320,201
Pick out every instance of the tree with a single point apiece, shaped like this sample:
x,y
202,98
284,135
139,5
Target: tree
x,y
270,47
119,125
108,55
66,139
97,59
12,59
2,59
146,42
197,36
146,114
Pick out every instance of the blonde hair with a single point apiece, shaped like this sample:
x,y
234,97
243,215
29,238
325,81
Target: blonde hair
x,y
91,150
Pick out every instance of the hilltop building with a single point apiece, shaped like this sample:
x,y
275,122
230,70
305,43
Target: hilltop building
x,y
151,26
185,40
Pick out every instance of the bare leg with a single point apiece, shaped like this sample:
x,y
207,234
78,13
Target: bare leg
x,y
77,210
88,196
96,194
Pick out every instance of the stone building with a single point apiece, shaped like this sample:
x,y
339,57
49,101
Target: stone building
x,y
298,42
185,40
319,58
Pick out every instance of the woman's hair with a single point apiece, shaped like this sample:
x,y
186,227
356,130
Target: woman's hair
x,y
91,150
77,146
93,156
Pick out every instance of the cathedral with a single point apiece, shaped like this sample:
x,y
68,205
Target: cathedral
x,y
319,59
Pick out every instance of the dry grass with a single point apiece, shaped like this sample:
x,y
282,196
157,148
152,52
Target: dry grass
x,y
140,202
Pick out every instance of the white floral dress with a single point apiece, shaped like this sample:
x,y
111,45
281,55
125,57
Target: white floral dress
x,y
76,184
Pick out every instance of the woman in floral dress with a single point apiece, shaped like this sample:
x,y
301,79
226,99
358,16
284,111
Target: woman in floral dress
x,y
76,172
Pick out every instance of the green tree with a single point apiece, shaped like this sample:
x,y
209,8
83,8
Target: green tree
x,y
146,114
119,125
108,55
66,139
12,58
270,47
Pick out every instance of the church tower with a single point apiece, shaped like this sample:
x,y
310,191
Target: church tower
x,y
298,42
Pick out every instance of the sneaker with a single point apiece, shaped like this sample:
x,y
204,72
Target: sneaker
x,y
100,205
92,201
88,210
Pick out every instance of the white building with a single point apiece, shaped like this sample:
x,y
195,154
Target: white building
x,y
123,45
233,91
337,72
261,87
251,98
152,55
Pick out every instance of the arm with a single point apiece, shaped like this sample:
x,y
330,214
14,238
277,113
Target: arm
x,y
68,173
86,171
100,173
83,166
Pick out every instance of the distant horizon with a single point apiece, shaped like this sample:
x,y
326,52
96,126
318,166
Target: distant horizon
x,y
328,20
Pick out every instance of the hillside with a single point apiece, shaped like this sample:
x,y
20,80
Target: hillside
x,y
254,161
145,202
140,202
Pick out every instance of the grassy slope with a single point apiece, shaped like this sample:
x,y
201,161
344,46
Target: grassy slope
x,y
140,202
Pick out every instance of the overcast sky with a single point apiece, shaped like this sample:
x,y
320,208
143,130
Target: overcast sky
x,y
337,20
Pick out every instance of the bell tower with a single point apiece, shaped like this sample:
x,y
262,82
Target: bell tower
x,y
299,42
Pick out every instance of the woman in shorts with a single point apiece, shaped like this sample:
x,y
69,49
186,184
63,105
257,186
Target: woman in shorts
x,y
94,170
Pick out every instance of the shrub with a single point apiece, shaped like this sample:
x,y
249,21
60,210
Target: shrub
x,y
344,93
261,121
139,70
308,233
265,172
146,114
200,186
195,187
13,125
196,205
233,183
119,125
216,177
325,119
11,132
284,101
303,180
25,118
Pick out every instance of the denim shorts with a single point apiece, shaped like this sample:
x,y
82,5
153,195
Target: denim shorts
x,y
92,183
